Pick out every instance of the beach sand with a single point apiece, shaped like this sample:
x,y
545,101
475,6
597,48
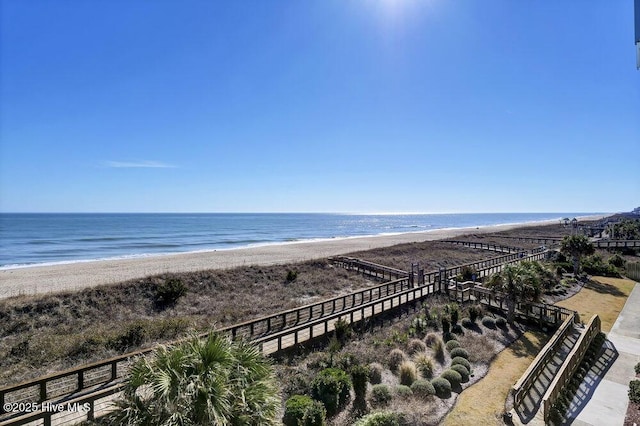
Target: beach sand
x,y
62,277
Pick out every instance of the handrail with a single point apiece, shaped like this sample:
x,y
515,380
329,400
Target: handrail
x,y
525,382
570,365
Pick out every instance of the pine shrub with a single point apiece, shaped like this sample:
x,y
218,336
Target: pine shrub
x,y
489,322
423,388
464,373
380,394
475,312
442,387
459,352
360,377
403,391
452,377
302,410
331,387
452,344
461,361
381,418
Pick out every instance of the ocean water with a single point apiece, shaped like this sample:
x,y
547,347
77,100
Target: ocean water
x,y
30,239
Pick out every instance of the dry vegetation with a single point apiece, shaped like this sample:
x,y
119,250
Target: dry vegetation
x,y
383,344
49,333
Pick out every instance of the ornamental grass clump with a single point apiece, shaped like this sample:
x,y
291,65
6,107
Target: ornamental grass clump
x,y
424,364
375,373
407,373
395,358
416,345
438,351
431,339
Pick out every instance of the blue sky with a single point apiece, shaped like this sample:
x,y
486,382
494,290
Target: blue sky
x,y
318,106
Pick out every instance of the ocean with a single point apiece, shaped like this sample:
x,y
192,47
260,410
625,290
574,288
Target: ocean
x,y
33,238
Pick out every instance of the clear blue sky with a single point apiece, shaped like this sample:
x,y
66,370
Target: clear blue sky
x,y
320,105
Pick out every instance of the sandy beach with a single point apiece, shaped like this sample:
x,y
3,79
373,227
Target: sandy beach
x,y
62,277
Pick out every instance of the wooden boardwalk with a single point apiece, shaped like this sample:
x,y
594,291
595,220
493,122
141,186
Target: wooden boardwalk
x,y
96,384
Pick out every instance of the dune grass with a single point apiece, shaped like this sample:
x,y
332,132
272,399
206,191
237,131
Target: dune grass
x,y
603,296
483,403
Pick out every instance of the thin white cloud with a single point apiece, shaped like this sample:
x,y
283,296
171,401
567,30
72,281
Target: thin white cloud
x,y
139,165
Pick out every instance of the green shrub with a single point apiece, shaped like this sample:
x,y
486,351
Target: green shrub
x,y
501,322
422,388
342,330
452,344
359,378
291,276
133,337
416,345
452,377
464,373
467,323
403,391
637,368
461,352
617,261
461,361
375,373
168,293
467,273
301,410
395,358
407,373
446,324
442,387
475,312
489,322
381,418
380,394
634,391
331,387
424,364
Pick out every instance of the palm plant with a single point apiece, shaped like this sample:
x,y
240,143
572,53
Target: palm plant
x,y
518,283
200,382
576,246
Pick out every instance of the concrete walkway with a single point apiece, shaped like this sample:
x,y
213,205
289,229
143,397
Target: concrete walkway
x,y
602,399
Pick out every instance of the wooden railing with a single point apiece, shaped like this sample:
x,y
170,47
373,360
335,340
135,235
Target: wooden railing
x,y
570,365
522,386
78,379
616,243
370,269
110,372
483,246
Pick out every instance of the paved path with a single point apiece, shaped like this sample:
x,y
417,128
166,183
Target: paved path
x,y
602,400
